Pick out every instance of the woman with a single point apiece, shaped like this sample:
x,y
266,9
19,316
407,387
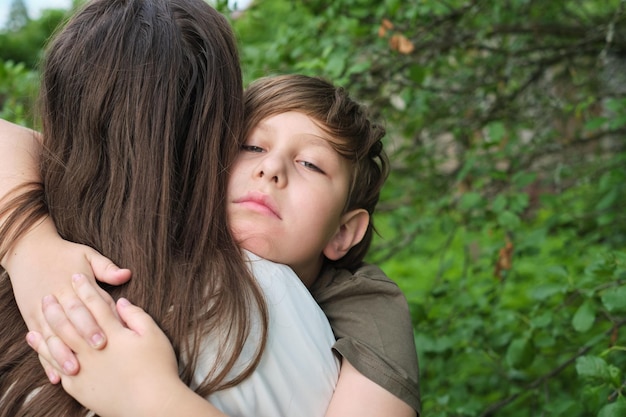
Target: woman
x,y
142,111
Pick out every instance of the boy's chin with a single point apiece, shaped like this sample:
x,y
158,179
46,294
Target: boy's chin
x,y
259,246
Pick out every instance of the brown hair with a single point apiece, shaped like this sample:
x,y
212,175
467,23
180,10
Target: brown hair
x,y
358,138
142,110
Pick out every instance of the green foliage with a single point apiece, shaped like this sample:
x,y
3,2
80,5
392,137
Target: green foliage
x,y
18,90
24,43
504,218
509,346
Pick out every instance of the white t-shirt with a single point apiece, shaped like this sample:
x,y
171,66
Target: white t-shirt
x,y
298,370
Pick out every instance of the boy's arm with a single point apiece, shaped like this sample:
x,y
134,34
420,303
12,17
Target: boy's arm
x,y
135,375
18,149
358,396
40,262
371,320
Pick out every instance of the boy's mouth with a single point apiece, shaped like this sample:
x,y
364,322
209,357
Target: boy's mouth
x,y
259,202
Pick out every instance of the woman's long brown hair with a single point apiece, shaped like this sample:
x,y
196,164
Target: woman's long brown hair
x,y
141,111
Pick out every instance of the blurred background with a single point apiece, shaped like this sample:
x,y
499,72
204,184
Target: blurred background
x,y
504,219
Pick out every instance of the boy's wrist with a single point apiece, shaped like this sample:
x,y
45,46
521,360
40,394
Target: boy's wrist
x,y
177,399
28,243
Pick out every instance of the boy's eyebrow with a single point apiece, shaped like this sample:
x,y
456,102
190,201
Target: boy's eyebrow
x,y
317,140
313,139
263,125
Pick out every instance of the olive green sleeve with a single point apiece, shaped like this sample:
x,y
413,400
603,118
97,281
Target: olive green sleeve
x,y
370,317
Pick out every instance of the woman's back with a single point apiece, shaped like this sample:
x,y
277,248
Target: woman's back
x,y
142,109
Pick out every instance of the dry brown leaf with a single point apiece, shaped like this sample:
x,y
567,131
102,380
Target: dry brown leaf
x,y
505,260
384,27
401,44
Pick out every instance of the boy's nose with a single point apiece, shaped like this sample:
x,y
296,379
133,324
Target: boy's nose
x,y
273,170
270,177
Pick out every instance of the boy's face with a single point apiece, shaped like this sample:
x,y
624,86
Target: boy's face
x,y
287,192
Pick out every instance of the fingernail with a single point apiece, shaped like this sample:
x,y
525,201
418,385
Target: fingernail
x,y
77,277
69,367
123,302
47,300
97,340
30,339
53,377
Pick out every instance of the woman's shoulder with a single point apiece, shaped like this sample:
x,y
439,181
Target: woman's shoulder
x,y
271,275
298,370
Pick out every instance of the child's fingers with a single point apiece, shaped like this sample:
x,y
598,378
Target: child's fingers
x,y
148,332
100,308
60,324
62,355
134,317
82,319
36,341
105,270
53,375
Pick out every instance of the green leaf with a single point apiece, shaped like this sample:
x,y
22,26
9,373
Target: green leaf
x,y
584,317
470,200
600,270
496,130
359,68
616,376
593,367
615,105
558,271
467,167
417,73
499,203
542,320
508,220
608,199
595,123
614,299
522,179
439,344
617,122
518,202
606,182
562,407
543,291
616,409
335,65
520,353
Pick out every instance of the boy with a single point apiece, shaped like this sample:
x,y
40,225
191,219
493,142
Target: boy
x,y
336,169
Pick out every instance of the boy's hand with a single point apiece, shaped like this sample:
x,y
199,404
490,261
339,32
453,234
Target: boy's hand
x,y
42,263
136,369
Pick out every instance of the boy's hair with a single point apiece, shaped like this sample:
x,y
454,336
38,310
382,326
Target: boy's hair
x,y
142,108
358,138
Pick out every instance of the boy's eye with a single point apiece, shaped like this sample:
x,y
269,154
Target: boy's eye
x,y
311,166
251,148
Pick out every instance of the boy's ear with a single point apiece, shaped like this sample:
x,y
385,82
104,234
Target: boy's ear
x,y
351,231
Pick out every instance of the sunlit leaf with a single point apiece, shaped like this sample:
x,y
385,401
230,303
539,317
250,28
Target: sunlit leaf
x,y
585,317
614,299
593,367
616,409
